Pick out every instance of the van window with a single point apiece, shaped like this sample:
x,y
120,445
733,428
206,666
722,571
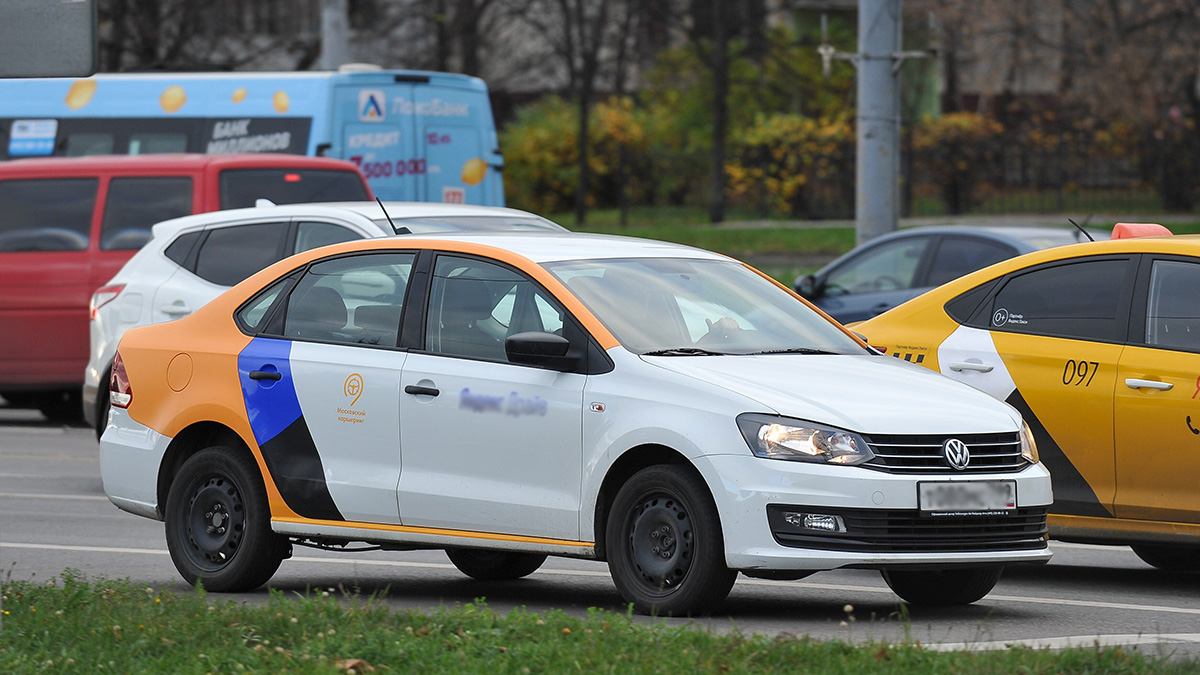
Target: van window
x,y
89,143
230,254
53,214
135,204
241,187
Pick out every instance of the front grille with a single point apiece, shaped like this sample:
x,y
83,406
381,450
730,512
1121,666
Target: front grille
x,y
907,531
923,453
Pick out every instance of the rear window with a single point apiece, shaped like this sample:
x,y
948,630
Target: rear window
x,y
240,188
52,214
135,204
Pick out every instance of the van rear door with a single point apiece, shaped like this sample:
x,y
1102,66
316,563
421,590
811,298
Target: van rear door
x,y
457,139
378,134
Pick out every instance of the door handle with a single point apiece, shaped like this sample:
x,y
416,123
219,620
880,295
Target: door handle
x,y
959,366
265,375
1134,383
417,390
177,307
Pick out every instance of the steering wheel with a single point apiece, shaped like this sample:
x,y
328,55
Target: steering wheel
x,y
719,331
886,283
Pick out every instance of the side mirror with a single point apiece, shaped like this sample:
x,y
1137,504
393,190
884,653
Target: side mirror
x,y
806,286
545,350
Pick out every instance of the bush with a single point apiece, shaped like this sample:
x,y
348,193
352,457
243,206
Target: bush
x,y
958,150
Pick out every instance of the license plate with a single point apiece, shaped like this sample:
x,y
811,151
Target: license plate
x,y
967,497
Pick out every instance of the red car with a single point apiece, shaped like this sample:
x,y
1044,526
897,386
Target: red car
x,y
68,224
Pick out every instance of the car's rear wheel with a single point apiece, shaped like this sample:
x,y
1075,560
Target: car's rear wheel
x,y
219,523
666,553
494,565
1169,558
102,408
932,588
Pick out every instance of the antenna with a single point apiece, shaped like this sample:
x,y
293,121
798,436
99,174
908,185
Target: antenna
x,y
1080,228
397,230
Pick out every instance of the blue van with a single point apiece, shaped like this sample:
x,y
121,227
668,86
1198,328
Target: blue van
x,y
416,135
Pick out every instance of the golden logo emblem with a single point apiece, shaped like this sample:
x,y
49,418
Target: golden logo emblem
x,y
353,387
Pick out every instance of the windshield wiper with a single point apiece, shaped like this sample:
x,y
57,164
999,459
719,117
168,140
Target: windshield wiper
x,y
684,351
794,350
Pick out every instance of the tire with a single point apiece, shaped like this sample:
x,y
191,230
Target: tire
x,y
494,565
1169,558
219,523
666,553
61,406
103,407
943,588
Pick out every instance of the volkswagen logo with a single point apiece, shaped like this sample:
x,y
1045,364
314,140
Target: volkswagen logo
x,y
957,453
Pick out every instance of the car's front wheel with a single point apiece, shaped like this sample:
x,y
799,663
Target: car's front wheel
x,y
933,588
666,553
1169,558
494,565
219,523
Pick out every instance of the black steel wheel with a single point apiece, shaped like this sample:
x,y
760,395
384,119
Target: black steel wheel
x,y
103,407
666,553
1169,558
943,588
219,523
494,565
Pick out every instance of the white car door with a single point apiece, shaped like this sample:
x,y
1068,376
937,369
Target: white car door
x,y
489,446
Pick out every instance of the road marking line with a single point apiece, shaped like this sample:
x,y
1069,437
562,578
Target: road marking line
x,y
40,495
1095,604
1068,642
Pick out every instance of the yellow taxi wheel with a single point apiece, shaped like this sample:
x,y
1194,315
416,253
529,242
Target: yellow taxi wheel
x,y
932,588
1169,558
219,524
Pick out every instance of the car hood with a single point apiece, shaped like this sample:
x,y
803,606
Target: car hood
x,y
869,394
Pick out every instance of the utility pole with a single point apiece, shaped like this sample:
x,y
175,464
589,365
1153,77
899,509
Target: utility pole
x,y
334,35
877,170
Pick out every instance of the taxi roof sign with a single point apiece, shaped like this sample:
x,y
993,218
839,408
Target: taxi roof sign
x,y
1132,230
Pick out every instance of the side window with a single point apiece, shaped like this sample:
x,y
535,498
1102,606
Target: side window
x,y
1082,300
242,187
958,256
252,314
889,267
53,214
355,300
1172,314
474,305
314,235
179,250
230,254
135,204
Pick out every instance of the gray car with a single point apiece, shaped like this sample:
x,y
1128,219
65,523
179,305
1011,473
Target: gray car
x,y
897,267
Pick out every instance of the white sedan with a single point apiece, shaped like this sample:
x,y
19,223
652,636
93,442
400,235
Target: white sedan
x,y
508,396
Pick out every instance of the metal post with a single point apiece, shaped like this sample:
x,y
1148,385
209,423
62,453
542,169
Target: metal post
x,y
877,171
334,34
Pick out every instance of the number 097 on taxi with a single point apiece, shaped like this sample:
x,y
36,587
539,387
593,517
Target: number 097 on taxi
x,y
966,497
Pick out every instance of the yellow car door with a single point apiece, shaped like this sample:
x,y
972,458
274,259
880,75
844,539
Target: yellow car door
x,y
1157,405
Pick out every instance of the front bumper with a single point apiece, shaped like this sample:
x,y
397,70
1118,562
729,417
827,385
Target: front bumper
x,y
883,526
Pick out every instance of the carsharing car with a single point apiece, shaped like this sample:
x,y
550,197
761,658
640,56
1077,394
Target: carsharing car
x,y
191,260
1098,346
511,396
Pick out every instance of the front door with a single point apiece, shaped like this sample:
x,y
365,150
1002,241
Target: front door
x,y
489,446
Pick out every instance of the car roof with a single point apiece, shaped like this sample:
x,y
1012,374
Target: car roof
x,y
1024,238
358,211
168,161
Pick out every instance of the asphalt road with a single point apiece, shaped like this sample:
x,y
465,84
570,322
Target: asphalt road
x,y
54,516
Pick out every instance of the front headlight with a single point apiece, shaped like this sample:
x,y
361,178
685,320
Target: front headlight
x,y
781,438
1028,445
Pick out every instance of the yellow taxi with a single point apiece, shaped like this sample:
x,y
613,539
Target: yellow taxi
x,y
1098,346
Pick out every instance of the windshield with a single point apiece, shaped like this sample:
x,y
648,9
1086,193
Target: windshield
x,y
427,224
673,306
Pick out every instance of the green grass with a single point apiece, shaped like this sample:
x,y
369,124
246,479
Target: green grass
x,y
77,626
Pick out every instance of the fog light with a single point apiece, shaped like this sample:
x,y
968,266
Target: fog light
x,y
815,521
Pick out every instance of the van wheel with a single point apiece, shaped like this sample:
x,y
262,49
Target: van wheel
x,y
219,523
494,565
666,553
61,406
943,588
1169,558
